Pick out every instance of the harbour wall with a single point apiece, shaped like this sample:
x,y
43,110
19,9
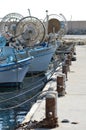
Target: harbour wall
x,y
76,27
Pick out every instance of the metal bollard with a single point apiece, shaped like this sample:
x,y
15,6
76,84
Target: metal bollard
x,y
51,110
61,84
67,62
70,58
64,70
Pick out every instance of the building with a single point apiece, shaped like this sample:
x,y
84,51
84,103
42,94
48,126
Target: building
x,y
76,27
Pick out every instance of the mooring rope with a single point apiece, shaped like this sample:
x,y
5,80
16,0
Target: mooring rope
x,y
20,94
5,93
29,100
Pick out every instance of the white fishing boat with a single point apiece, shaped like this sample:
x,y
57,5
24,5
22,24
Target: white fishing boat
x,y
56,28
42,57
31,33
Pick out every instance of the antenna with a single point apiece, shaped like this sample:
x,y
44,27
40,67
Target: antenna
x,y
29,12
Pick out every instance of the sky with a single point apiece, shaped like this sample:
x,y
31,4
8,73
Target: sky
x,y
71,9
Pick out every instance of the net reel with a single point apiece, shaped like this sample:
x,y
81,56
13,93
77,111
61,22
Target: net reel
x,y
30,31
55,24
8,23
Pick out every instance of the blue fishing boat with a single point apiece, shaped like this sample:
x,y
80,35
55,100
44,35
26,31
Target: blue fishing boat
x,y
31,33
40,39
42,57
14,64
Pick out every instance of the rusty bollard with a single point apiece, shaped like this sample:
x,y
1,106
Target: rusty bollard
x,y
70,57
61,84
64,70
73,49
67,62
51,110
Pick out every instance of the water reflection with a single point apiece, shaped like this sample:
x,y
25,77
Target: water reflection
x,y
9,119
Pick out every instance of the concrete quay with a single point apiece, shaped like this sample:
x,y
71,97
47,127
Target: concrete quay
x,y
71,108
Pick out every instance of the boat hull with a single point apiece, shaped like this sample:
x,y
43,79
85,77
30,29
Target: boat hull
x,y
14,73
42,58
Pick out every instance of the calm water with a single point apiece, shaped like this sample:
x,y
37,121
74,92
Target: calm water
x,y
9,119
10,114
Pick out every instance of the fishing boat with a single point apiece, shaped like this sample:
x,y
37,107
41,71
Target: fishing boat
x,y
14,64
40,39
31,33
42,56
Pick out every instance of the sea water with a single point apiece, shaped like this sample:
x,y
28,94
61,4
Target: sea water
x,y
15,102
10,118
